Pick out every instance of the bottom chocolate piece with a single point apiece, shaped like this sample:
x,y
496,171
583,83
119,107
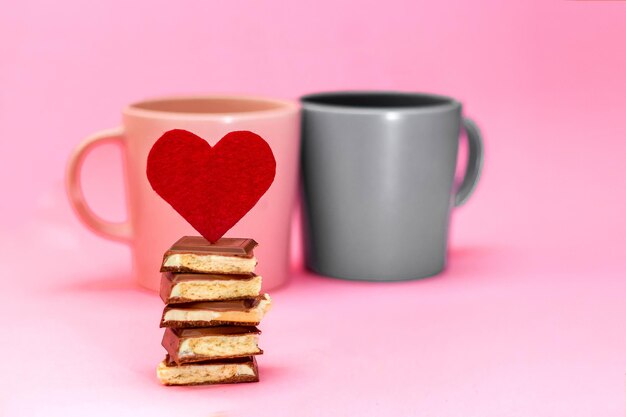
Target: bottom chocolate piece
x,y
217,371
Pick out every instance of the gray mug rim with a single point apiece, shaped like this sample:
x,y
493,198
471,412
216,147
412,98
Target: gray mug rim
x,y
447,103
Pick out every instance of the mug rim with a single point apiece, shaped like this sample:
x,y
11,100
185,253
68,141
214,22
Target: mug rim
x,y
282,107
447,103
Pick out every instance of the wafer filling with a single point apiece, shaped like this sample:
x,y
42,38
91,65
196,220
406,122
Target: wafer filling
x,y
191,287
211,263
219,346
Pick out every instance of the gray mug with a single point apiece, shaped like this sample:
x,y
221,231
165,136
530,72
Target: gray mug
x,y
378,182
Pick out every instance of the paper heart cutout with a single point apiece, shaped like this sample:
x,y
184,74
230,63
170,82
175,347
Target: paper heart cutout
x,y
211,187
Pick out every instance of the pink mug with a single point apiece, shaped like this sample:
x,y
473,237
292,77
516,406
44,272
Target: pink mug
x,y
152,225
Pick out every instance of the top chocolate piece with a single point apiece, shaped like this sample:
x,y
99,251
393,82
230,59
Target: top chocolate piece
x,y
194,254
226,246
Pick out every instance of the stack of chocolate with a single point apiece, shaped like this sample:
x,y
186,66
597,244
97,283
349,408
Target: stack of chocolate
x,y
213,305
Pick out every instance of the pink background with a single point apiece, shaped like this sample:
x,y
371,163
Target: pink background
x,y
527,320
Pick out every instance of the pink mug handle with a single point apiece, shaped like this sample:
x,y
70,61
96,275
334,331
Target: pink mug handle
x,y
117,231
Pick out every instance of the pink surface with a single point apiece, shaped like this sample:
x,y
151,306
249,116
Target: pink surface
x,y
528,318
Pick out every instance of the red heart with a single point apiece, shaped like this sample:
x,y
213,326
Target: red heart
x,y
211,187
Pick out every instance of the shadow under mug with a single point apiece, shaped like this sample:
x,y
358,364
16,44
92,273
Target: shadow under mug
x,y
378,182
153,225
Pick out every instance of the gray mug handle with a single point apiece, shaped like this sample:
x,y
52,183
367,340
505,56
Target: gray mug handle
x,y
474,162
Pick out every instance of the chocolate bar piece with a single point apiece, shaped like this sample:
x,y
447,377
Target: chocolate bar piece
x,y
196,345
196,254
216,371
186,288
217,313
